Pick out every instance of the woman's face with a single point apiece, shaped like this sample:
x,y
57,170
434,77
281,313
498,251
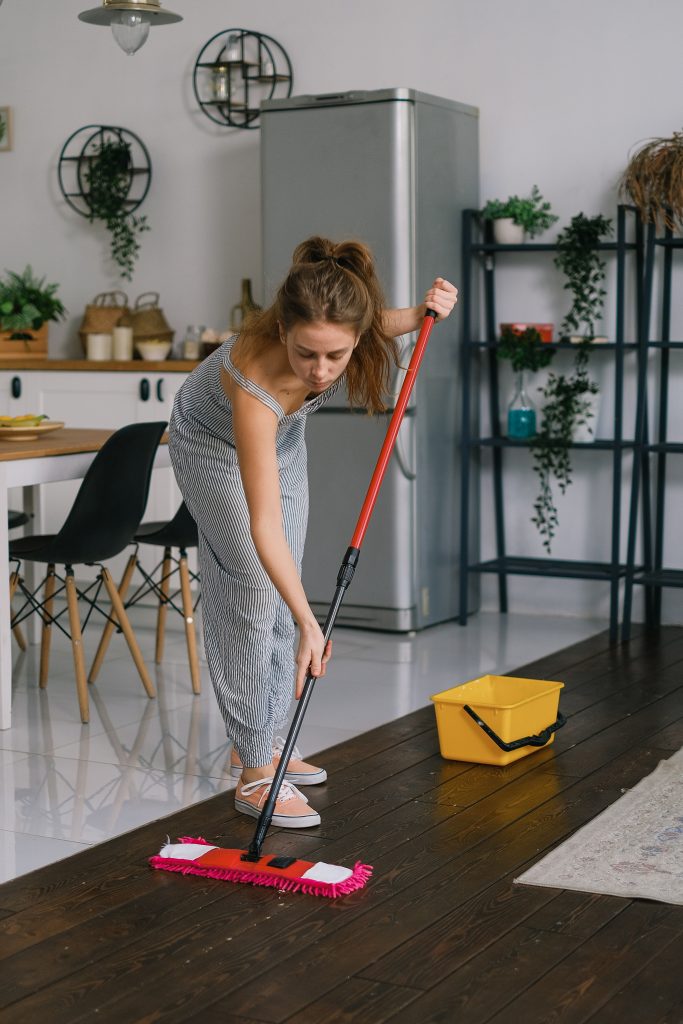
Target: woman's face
x,y
319,352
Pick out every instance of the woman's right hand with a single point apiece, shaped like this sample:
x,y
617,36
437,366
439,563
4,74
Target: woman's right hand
x,y
312,655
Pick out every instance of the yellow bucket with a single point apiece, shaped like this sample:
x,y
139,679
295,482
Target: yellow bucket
x,y
497,719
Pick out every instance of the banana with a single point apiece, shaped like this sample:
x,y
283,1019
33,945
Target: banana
x,y
27,420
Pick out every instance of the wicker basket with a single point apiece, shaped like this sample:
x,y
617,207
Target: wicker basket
x,y
147,319
103,314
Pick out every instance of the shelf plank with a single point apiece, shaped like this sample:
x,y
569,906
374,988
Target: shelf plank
x,y
568,569
600,444
660,578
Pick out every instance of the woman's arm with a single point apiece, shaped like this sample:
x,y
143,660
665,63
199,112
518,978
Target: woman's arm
x,y
441,297
255,427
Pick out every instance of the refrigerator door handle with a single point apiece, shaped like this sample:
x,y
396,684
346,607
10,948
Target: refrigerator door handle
x,y
401,456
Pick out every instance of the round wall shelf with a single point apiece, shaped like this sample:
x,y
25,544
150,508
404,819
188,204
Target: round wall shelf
x,y
237,69
82,148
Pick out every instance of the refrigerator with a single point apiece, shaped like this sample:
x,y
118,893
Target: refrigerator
x,y
393,168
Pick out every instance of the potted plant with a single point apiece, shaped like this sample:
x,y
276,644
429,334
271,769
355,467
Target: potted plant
x,y
108,175
653,181
526,352
515,217
27,304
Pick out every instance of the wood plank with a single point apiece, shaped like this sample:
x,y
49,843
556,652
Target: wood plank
x,y
581,984
653,994
346,945
439,928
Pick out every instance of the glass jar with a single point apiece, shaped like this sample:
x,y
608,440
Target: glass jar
x,y
192,342
521,412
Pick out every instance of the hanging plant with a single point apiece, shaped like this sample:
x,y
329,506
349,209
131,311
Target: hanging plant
x,y
653,181
567,397
583,266
566,407
108,175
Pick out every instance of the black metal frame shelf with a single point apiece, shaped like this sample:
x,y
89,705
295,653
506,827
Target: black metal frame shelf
x,y
559,567
648,490
479,258
261,62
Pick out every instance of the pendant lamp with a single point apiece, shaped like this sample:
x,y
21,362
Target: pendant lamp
x,y
130,20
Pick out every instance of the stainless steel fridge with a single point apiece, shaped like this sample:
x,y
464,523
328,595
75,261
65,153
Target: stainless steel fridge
x,y
395,168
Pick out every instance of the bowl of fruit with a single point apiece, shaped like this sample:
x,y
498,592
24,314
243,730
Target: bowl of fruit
x,y
27,427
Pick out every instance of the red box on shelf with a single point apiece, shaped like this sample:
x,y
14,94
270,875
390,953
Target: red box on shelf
x,y
545,330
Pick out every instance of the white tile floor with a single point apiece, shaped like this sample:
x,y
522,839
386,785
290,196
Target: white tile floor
x,y
66,786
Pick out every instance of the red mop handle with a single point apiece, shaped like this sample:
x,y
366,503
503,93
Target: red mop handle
x,y
393,429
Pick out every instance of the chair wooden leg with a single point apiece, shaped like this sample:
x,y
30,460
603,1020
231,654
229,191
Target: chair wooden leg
x,y
77,645
46,632
17,630
117,605
163,606
190,631
111,626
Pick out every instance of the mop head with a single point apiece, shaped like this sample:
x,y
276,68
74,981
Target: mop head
x,y
197,857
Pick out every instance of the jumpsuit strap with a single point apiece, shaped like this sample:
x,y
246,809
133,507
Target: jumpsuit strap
x,y
249,385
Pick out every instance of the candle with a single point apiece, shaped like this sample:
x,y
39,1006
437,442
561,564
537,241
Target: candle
x,y
122,343
98,346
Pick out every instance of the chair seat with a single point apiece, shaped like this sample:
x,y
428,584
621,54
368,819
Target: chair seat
x,y
36,548
16,519
179,532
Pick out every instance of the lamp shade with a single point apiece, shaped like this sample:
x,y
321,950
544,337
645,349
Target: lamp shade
x,y
151,8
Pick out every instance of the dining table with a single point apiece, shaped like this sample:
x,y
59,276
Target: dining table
x,y
63,454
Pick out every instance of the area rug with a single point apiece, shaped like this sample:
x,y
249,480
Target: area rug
x,y
633,849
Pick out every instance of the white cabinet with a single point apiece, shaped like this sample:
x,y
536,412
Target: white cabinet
x,y
95,398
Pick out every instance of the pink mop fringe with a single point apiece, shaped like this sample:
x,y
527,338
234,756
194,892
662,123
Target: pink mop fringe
x,y
360,875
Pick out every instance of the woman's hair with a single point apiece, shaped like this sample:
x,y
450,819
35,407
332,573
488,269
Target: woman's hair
x,y
336,283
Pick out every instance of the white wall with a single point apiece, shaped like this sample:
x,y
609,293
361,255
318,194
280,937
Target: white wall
x,y
564,91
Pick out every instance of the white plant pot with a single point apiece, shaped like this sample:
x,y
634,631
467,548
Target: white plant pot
x,y
587,432
506,232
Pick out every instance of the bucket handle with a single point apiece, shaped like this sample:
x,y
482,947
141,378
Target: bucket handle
x,y
539,740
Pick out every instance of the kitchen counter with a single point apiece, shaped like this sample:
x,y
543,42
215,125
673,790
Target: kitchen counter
x,y
127,366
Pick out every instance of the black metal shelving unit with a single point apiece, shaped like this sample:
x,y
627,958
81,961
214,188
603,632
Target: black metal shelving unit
x,y
479,267
648,490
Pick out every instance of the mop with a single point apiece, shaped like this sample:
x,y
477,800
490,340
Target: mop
x,y
194,856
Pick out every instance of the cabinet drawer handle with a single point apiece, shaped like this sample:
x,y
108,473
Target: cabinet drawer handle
x,y
16,387
160,390
144,389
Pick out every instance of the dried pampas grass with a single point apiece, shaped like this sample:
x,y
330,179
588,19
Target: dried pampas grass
x,y
653,181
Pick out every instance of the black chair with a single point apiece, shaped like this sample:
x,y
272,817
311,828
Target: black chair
x,y
102,522
15,519
179,532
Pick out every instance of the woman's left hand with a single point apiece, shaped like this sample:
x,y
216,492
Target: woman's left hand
x,y
441,297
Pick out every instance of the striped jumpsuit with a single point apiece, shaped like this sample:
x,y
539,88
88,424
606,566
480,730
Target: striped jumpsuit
x,y
248,628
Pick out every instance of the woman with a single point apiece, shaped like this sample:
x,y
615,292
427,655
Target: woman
x,y
238,451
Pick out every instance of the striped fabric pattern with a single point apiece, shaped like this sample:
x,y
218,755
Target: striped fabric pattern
x,y
248,629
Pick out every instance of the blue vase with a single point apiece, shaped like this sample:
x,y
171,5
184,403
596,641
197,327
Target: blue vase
x,y
521,412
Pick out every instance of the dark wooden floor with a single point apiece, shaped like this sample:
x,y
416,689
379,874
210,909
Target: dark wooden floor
x,y
439,934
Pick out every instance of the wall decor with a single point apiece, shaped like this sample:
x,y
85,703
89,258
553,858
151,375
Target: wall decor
x,y
237,69
5,129
104,174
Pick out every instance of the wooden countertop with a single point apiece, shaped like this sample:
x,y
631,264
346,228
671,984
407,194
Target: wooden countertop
x,y
62,442
127,366
68,441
